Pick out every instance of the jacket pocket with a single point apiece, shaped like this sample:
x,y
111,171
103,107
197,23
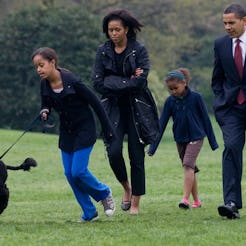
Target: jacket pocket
x,y
146,119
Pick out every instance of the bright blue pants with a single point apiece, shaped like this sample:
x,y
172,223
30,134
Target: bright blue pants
x,y
82,182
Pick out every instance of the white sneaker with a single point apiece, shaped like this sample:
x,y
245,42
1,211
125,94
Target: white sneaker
x,y
108,204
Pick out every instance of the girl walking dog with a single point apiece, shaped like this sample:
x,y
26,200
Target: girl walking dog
x,y
71,99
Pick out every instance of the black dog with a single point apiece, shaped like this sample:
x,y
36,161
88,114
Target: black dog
x,y
4,191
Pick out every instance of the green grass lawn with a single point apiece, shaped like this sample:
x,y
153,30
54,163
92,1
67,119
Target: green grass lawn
x,y
43,211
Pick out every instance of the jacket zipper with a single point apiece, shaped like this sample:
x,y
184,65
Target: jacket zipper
x,y
139,101
133,116
135,122
104,100
124,61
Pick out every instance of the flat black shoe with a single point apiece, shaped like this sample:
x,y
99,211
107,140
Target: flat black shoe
x,y
229,210
125,205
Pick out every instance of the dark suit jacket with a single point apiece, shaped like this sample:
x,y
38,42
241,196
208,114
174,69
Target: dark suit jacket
x,y
226,82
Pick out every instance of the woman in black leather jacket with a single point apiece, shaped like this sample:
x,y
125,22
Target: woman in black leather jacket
x,y
120,76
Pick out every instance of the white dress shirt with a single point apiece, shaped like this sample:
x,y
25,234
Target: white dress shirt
x,y
242,44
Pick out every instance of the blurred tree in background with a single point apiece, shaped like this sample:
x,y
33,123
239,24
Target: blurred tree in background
x,y
176,33
73,33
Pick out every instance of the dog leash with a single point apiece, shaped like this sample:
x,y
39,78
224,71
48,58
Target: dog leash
x,y
46,124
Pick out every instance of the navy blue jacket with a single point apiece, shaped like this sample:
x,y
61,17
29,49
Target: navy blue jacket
x,y
190,120
77,123
226,81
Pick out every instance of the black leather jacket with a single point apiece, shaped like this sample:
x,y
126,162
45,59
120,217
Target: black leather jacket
x,y
111,86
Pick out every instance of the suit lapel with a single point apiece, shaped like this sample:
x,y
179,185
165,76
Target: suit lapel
x,y
228,50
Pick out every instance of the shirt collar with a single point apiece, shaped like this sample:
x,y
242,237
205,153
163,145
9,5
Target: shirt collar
x,y
242,38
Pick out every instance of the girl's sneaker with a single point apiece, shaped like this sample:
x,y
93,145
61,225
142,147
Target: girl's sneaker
x,y
94,218
109,205
196,204
185,204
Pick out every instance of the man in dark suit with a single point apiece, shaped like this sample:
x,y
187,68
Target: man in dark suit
x,y
229,87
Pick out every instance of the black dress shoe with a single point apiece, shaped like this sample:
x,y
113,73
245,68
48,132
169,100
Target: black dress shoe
x,y
229,210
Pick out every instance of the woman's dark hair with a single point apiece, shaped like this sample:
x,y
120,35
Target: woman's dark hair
x,y
237,9
46,53
127,20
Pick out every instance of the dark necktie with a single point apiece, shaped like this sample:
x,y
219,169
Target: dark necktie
x,y
239,64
